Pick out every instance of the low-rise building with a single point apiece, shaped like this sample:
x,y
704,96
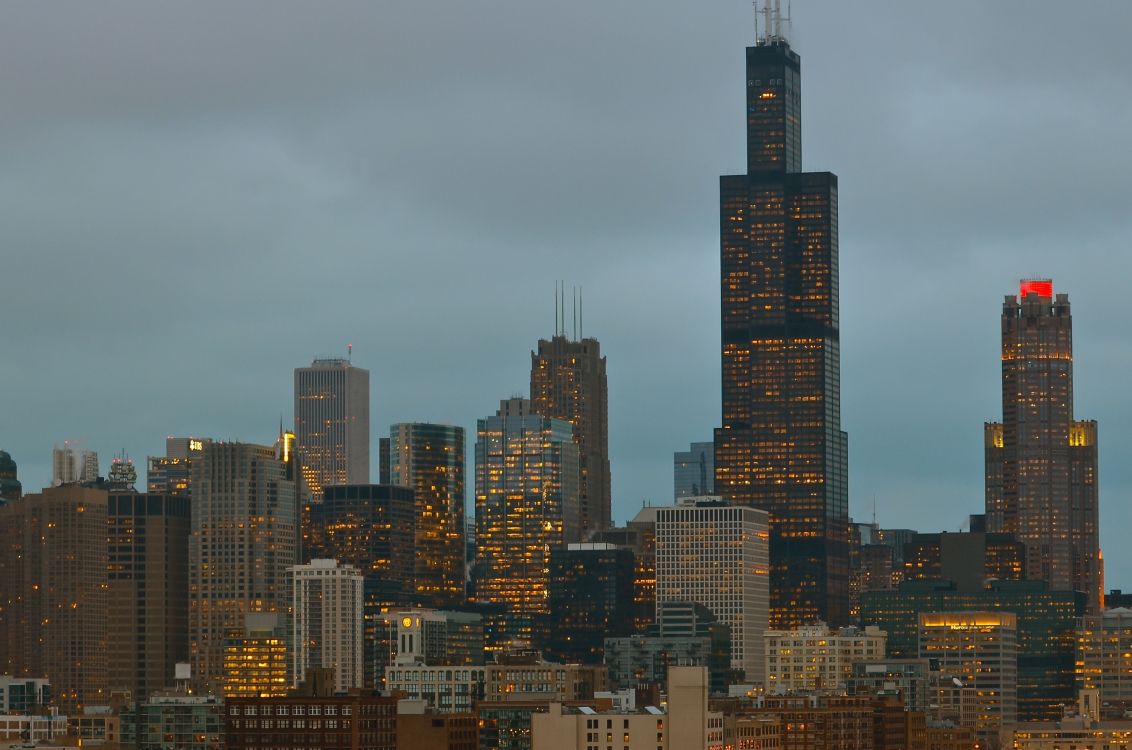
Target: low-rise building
x,y
1079,729
418,728
22,695
312,722
818,658
174,721
28,729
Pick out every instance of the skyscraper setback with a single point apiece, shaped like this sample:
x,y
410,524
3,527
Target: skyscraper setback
x,y
332,424
781,447
1041,464
568,382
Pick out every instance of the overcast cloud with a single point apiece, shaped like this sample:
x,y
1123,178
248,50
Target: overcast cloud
x,y
195,198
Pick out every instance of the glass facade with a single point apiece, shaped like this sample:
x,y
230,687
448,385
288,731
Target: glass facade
x,y
590,594
527,501
332,424
429,458
780,447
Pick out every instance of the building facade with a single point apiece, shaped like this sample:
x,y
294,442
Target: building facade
x,y
327,622
332,424
429,458
814,657
590,593
568,382
716,554
245,525
436,638
175,721
693,471
53,600
10,487
1041,463
341,722
527,502
256,657
148,590
780,446
1104,654
171,474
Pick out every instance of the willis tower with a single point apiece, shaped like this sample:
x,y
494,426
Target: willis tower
x,y
781,447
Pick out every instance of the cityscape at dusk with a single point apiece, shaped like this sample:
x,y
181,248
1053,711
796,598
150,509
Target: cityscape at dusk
x,y
512,376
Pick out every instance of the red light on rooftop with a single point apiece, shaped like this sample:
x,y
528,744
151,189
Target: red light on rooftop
x,y
1040,287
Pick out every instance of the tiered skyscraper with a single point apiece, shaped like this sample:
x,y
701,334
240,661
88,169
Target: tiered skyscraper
x,y
332,424
1041,464
568,382
781,447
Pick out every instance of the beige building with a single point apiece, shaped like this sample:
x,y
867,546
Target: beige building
x,y
1079,729
981,650
816,657
718,555
685,725
326,621
1104,654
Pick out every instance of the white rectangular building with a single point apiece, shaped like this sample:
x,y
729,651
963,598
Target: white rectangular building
x,y
815,657
718,555
326,621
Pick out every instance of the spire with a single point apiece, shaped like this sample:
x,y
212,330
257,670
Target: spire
x,y
775,27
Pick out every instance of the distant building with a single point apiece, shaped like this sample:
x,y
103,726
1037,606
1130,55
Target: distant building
x,y
171,474
54,600
256,657
693,471
429,458
370,527
10,487
526,504
148,590
332,722
454,689
326,621
717,554
245,535
1081,728
23,695
639,536
568,382
685,634
30,729
1104,654
911,678
436,638
970,559
981,648
73,465
332,424
825,722
418,728
590,593
815,657
1041,463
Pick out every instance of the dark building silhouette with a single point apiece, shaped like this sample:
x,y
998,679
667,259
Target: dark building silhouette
x,y
970,559
148,588
1041,464
568,382
10,487
781,447
590,588
369,526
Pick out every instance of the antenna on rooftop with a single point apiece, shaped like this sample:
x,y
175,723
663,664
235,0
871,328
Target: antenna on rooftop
x,y
350,352
772,26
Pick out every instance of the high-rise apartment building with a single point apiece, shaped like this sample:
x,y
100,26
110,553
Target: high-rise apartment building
x,y
429,458
716,554
568,382
693,471
10,487
1041,464
245,535
326,622
53,592
73,465
527,501
981,649
332,424
148,589
780,446
171,474
370,527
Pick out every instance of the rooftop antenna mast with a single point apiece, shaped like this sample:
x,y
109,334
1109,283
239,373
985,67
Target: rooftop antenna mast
x,y
556,307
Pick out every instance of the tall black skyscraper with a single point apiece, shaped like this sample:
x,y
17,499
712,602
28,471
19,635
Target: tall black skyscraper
x,y
780,446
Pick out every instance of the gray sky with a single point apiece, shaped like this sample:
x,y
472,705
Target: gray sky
x,y
197,197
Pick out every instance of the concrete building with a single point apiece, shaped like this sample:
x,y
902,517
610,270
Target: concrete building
x,y
693,471
687,724
326,621
568,382
429,458
54,600
1104,654
910,678
446,689
685,634
815,657
436,638
981,649
28,729
418,728
148,590
256,657
22,695
717,555
245,535
332,424
1041,463
527,502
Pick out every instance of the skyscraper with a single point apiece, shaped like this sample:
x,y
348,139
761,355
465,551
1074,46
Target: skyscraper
x,y
568,382
326,621
693,471
73,465
526,503
429,458
10,487
332,424
1041,464
244,537
780,446
148,590
171,474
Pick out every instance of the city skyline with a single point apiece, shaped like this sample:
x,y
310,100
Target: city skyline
x,y
918,454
